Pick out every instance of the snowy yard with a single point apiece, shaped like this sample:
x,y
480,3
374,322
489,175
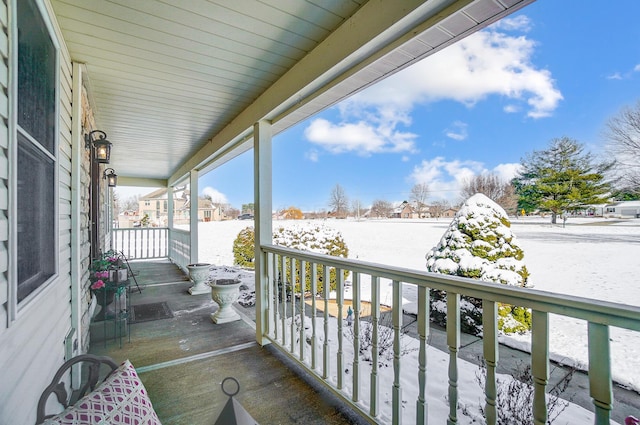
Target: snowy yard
x,y
589,258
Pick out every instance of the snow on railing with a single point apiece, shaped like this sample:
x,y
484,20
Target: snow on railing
x,y
293,327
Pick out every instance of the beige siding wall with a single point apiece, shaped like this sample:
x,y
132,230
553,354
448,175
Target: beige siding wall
x,y
32,346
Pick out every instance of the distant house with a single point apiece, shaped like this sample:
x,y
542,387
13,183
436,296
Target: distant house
x,y
207,210
450,212
404,210
623,209
156,206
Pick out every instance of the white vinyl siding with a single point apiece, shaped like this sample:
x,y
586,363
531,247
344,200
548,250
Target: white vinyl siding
x,y
32,336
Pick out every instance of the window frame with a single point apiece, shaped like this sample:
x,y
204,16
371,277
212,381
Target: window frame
x,y
17,309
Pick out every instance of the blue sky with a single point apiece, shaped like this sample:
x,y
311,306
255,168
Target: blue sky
x,y
556,68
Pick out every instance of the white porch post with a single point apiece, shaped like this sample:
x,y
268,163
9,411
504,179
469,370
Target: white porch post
x,y
78,303
193,216
262,178
170,208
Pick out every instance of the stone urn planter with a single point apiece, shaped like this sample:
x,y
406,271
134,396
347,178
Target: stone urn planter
x,y
199,274
225,292
105,298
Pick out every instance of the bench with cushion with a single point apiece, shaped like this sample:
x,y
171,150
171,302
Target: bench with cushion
x,y
111,395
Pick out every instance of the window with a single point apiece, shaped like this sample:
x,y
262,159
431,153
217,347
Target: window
x,y
36,151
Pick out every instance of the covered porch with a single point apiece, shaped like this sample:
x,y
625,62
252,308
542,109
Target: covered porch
x,y
180,89
182,360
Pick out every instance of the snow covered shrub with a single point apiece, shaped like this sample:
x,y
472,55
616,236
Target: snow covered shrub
x,y
514,400
317,238
311,238
479,244
243,245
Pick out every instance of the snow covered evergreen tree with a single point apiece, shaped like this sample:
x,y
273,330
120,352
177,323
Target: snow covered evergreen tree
x,y
479,244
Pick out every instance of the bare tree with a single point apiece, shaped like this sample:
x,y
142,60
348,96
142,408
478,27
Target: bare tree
x,y
623,137
381,208
438,208
339,201
492,186
129,204
356,208
419,195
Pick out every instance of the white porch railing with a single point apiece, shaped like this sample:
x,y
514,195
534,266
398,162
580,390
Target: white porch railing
x,y
292,339
140,243
180,247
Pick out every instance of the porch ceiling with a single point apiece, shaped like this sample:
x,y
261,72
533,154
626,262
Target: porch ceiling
x,y
178,86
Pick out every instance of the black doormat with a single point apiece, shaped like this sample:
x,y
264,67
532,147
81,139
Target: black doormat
x,y
149,312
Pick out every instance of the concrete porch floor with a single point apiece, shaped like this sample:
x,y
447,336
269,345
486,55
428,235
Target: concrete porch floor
x,y
183,360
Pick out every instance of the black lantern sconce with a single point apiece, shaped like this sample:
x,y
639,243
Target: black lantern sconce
x,y
101,145
111,176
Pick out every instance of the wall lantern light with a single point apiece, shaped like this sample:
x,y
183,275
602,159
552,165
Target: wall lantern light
x,y
101,145
111,176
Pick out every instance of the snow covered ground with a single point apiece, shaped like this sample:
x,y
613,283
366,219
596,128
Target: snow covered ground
x,y
589,258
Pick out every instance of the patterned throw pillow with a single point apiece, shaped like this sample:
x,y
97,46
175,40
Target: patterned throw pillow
x,y
120,399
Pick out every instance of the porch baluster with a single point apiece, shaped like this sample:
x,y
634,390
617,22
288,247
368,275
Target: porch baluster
x,y
292,269
146,237
397,323
283,276
423,332
340,317
355,395
276,296
314,291
540,364
490,352
135,238
325,295
269,288
303,287
600,372
154,241
453,341
375,317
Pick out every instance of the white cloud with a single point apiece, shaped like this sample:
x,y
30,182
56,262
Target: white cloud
x,y
446,178
614,76
507,171
361,137
312,155
637,68
216,196
487,63
511,109
457,131
519,23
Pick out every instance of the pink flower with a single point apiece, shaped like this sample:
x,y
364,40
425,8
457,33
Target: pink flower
x,y
97,284
112,259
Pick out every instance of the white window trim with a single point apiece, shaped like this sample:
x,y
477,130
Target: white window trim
x,y
15,309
